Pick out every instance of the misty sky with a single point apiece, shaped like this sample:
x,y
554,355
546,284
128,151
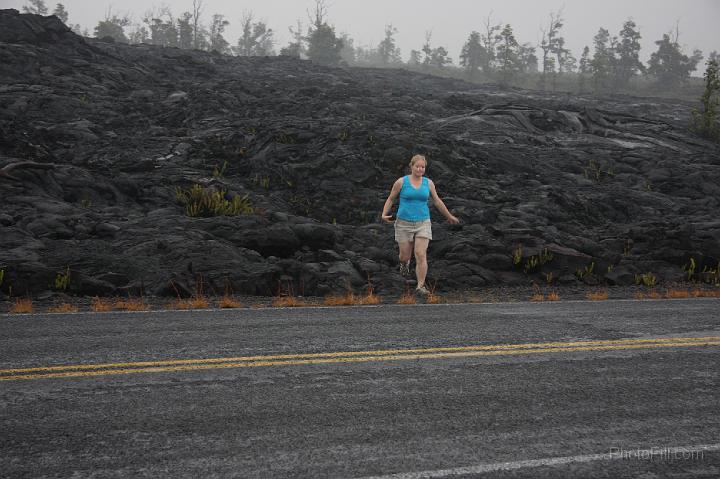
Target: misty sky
x,y
451,21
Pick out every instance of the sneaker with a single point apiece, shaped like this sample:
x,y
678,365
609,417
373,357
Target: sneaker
x,y
405,269
422,290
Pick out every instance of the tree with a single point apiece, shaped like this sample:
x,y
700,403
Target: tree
x,y
489,41
437,57
427,49
472,55
603,60
414,58
36,7
199,38
388,52
528,61
256,38
552,45
584,68
61,13
508,55
162,27
628,55
705,121
669,65
217,28
185,31
323,45
348,53
296,48
113,27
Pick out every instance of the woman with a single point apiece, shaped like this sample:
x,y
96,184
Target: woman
x,y
413,230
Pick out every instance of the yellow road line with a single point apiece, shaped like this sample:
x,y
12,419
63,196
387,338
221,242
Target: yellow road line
x,y
384,352
388,355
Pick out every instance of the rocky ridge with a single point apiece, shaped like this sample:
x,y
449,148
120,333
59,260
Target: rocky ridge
x,y
97,139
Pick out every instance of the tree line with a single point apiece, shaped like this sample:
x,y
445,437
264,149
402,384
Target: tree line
x,y
490,54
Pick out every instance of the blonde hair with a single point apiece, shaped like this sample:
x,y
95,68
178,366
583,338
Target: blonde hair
x,y
417,158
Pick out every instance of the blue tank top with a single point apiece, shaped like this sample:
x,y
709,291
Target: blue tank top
x,y
414,201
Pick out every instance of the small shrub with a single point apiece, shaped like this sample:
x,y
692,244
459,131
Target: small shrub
x,y
537,297
647,279
22,306
200,201
62,280
553,296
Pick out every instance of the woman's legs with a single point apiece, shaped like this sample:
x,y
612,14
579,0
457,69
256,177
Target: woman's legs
x,y
406,249
421,266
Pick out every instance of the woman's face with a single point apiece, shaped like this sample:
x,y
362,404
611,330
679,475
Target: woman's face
x,y
418,169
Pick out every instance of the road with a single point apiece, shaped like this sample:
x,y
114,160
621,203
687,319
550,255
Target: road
x,y
521,390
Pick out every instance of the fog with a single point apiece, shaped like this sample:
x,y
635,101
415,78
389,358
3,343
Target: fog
x,y
450,22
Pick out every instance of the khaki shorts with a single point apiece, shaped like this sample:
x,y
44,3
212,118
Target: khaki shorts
x,y
406,231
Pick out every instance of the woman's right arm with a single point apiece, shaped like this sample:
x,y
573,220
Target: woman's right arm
x,y
394,192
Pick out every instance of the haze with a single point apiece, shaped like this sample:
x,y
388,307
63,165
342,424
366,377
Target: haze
x,y
451,21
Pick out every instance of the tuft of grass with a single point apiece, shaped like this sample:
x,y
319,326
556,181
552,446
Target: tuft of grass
x,y
348,299
63,308
654,295
554,296
288,302
640,295
132,304
407,298
370,298
100,305
22,306
598,296
677,293
228,302
433,299
537,297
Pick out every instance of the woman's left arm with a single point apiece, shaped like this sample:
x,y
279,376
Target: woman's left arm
x,y
440,205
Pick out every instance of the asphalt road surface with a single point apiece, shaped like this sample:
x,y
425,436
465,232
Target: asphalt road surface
x,y
570,389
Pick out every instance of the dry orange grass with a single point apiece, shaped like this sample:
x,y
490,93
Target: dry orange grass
x,y
598,296
196,302
100,305
22,306
370,298
654,295
433,299
229,302
63,308
706,293
132,304
537,297
407,298
288,302
677,293
348,299
639,296
553,296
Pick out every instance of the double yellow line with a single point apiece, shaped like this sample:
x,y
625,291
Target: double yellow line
x,y
107,369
